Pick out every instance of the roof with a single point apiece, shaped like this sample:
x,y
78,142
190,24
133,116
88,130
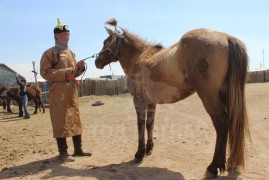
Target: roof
x,y
2,64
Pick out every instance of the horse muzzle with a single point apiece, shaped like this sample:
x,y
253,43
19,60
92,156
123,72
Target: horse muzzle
x,y
99,64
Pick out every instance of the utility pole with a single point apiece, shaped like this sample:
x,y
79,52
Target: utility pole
x,y
35,73
263,58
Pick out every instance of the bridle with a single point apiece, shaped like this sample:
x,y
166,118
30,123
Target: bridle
x,y
117,39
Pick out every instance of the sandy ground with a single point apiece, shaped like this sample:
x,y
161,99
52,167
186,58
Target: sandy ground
x,y
184,142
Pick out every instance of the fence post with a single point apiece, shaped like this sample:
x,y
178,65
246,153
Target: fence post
x,y
45,90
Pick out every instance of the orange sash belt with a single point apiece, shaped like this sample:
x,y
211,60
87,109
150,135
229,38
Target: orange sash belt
x,y
72,78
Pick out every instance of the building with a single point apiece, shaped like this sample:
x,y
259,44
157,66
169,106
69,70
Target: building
x,y
112,77
8,75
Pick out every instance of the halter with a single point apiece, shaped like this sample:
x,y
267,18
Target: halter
x,y
118,42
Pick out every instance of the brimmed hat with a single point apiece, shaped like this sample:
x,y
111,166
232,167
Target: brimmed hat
x,y
60,27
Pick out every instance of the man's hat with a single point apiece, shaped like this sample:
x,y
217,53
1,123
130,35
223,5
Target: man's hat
x,y
60,27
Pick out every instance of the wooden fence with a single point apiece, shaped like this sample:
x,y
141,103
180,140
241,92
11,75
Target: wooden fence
x,y
93,87
258,76
115,87
103,87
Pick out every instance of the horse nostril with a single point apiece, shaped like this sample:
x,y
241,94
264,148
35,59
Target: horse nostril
x,y
99,65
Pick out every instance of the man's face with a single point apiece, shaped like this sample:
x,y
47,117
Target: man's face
x,y
62,37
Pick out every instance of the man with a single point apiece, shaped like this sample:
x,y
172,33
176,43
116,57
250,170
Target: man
x,y
59,67
23,95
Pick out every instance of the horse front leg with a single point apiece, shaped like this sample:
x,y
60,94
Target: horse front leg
x,y
141,113
8,100
150,125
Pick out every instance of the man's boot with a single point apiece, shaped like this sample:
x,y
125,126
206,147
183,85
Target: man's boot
x,y
62,148
78,147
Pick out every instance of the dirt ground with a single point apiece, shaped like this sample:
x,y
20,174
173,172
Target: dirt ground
x,y
184,142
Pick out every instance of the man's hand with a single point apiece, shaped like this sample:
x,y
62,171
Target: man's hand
x,y
80,64
69,71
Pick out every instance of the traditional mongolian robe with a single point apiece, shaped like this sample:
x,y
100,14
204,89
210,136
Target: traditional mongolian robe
x,y
63,94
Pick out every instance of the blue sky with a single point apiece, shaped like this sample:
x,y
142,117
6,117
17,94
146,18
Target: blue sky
x,y
26,26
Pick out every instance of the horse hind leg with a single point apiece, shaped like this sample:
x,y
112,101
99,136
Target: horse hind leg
x,y
150,125
41,103
215,108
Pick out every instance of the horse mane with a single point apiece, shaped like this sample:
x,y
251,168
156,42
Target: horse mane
x,y
134,40
140,43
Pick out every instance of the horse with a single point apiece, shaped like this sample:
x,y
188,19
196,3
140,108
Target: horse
x,y
213,64
33,92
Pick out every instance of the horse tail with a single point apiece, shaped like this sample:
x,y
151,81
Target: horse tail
x,y
238,127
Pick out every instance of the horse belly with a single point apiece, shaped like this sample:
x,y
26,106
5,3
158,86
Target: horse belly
x,y
161,94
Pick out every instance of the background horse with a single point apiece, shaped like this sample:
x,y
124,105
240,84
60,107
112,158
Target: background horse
x,y
210,63
33,93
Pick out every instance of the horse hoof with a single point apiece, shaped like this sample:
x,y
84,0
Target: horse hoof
x,y
138,160
209,175
139,156
212,171
149,149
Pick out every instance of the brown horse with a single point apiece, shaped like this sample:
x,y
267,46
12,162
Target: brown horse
x,y
212,64
33,93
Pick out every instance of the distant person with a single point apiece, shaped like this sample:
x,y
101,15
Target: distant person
x,y
59,67
23,95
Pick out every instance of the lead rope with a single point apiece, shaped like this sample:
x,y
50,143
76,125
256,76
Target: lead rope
x,y
86,67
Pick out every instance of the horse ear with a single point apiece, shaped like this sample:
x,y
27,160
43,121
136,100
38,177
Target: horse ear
x,y
109,31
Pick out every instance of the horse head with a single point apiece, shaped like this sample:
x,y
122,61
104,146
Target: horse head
x,y
110,50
